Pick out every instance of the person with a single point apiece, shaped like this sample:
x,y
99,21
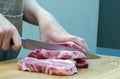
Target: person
x,y
12,12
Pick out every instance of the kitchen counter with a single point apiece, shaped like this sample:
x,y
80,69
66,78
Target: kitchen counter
x,y
106,67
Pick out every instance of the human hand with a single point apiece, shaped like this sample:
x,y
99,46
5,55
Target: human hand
x,y
52,32
57,35
8,32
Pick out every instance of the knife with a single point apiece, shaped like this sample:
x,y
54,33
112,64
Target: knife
x,y
33,44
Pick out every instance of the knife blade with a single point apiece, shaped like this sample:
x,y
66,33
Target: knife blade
x,y
33,44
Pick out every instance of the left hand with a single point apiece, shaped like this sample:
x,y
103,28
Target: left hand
x,y
56,34
50,30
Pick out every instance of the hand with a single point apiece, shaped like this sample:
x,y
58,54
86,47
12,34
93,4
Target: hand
x,y
50,30
8,32
56,34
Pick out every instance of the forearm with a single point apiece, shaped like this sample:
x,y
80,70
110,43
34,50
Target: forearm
x,y
37,15
30,11
51,31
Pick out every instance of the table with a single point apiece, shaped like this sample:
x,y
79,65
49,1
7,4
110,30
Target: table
x,y
106,67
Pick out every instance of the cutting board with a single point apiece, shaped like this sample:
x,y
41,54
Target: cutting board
x,y
107,67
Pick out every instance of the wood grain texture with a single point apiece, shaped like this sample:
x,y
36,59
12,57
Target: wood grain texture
x,y
107,67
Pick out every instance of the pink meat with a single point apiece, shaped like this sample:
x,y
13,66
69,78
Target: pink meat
x,y
80,62
61,54
48,66
57,62
56,54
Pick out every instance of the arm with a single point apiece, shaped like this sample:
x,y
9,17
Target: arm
x,y
35,14
51,31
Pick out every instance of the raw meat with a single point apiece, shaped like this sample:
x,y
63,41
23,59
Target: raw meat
x,y
57,62
48,66
81,63
78,56
56,54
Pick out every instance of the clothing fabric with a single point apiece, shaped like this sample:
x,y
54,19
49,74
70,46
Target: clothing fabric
x,y
13,11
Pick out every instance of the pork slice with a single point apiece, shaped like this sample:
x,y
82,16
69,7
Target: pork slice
x,y
48,66
81,63
78,56
56,54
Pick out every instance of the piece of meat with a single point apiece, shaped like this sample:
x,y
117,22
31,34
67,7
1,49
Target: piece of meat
x,y
56,54
78,56
81,63
48,66
57,62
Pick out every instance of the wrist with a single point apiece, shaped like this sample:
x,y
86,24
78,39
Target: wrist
x,y
47,21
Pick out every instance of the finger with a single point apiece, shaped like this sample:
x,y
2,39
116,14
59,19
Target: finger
x,y
16,40
70,44
66,38
79,41
86,49
1,38
74,39
82,43
6,41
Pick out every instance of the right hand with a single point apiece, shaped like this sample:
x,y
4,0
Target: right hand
x,y
7,32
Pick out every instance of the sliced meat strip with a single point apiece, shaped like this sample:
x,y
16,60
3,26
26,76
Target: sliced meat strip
x,y
48,66
78,56
81,63
56,54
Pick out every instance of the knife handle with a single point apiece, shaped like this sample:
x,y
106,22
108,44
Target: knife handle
x,y
11,42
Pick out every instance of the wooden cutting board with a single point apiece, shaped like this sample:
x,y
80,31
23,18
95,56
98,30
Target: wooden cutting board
x,y
107,67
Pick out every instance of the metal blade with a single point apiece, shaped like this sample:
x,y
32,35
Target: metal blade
x,y
91,56
32,45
